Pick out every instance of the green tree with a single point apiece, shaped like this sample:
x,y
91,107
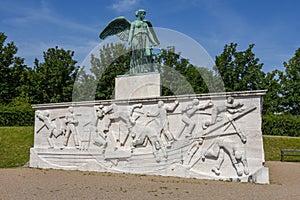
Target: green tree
x,y
179,76
13,71
240,70
113,60
84,86
291,85
54,78
273,98
172,68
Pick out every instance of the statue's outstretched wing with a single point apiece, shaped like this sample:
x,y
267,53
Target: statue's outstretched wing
x,y
119,26
152,31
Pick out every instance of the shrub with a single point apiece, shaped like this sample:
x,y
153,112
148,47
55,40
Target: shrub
x,y
284,125
17,113
17,118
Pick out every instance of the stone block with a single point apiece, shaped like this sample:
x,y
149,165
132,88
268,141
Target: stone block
x,y
138,86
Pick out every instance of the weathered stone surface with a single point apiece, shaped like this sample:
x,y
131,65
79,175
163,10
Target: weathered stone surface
x,y
138,86
211,136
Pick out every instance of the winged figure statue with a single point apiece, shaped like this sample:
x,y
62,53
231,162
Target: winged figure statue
x,y
141,38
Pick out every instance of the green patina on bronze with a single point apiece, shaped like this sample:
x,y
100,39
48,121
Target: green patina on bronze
x,y
141,38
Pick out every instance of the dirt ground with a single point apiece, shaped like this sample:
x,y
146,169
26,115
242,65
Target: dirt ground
x,y
27,183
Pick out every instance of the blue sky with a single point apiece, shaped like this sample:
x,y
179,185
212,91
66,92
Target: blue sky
x,y
273,26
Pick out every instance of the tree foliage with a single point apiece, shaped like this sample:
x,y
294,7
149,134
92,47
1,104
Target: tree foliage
x,y
240,70
12,71
54,78
84,87
179,76
114,60
291,85
273,98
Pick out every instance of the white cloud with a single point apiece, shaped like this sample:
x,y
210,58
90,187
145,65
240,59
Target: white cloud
x,y
35,28
42,13
124,5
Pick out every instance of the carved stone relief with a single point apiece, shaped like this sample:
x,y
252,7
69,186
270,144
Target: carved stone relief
x,y
71,127
184,136
54,127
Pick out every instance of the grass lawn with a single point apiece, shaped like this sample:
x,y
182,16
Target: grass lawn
x,y
15,143
273,144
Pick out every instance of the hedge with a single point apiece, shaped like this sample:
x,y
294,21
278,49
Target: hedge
x,y
16,117
283,125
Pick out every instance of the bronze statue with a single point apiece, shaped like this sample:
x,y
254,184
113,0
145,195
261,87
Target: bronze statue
x,y
140,37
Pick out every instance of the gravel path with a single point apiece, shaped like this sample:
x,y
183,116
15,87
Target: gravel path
x,y
27,183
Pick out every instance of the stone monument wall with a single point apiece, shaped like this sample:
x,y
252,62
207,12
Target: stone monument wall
x,y
209,136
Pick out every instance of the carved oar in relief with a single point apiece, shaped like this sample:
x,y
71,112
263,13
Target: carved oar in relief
x,y
47,124
228,120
